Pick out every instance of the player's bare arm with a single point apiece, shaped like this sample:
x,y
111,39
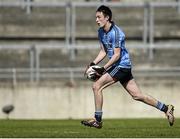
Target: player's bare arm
x,y
100,56
115,57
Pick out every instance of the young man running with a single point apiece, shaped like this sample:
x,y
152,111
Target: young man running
x,y
117,69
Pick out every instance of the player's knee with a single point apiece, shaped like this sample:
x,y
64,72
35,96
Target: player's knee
x,y
96,87
137,97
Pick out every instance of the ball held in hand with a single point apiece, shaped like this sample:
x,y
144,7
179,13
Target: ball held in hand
x,y
92,75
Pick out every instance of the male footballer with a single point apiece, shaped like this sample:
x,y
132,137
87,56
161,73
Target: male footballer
x,y
117,69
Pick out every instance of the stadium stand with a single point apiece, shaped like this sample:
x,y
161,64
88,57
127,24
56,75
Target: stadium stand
x,y
48,24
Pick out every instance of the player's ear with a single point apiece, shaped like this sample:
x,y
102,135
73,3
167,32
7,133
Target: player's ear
x,y
107,18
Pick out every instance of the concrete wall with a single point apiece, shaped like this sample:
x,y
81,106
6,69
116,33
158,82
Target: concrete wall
x,y
61,102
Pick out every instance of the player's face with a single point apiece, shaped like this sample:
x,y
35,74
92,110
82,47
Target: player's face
x,y
100,19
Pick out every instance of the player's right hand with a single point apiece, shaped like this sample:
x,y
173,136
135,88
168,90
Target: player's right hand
x,y
100,70
87,67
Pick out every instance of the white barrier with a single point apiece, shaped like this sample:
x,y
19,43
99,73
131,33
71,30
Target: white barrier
x,y
61,102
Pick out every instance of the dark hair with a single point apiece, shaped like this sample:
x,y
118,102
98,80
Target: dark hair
x,y
106,11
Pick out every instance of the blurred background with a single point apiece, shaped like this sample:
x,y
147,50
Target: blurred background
x,y
46,45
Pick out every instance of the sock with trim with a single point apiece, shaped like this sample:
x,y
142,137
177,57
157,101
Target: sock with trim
x,y
98,116
161,106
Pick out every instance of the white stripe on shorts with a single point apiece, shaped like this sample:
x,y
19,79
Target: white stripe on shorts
x,y
114,71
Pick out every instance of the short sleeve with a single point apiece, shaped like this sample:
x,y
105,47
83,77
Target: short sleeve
x,y
117,39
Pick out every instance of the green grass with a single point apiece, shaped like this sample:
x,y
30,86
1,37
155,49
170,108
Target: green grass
x,y
116,128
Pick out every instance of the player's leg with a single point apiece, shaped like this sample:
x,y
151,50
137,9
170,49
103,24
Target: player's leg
x,y
103,82
133,89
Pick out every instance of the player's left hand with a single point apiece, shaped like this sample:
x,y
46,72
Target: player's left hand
x,y
100,70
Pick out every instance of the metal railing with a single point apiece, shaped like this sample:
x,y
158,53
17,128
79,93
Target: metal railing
x,y
25,74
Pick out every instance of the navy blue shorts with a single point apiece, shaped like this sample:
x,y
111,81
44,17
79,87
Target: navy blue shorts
x,y
123,75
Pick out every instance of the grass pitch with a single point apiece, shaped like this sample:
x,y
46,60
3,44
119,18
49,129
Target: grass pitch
x,y
115,128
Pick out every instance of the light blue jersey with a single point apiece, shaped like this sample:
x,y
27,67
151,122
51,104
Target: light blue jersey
x,y
115,38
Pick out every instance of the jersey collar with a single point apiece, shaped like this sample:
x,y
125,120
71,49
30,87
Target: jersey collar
x,y
112,24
